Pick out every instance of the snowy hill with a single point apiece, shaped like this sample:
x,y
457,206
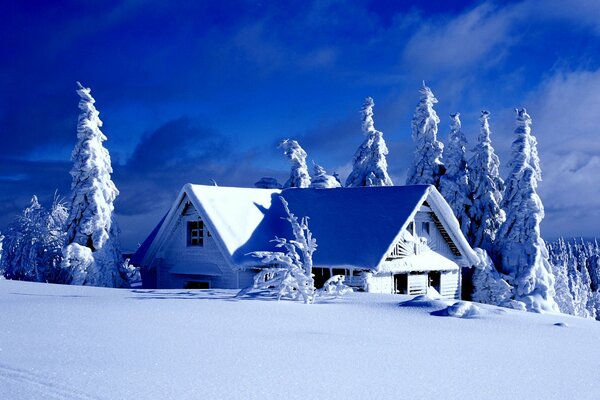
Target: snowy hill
x,y
69,342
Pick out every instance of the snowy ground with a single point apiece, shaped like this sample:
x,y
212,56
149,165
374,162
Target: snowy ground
x,y
63,342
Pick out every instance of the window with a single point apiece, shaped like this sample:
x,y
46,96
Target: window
x,y
425,228
196,285
195,233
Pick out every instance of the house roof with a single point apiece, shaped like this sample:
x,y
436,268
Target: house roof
x,y
354,227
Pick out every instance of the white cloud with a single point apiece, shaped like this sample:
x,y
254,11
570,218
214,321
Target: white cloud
x,y
477,37
567,123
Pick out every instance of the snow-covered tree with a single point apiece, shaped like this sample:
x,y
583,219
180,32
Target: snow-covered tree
x,y
33,243
369,166
489,286
92,233
454,184
524,256
486,190
267,183
562,290
292,276
322,180
299,176
427,166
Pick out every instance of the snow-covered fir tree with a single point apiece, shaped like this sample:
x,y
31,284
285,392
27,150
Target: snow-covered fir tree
x,y
575,262
299,177
33,244
489,286
486,190
369,166
454,184
427,166
524,257
92,254
292,276
559,261
322,180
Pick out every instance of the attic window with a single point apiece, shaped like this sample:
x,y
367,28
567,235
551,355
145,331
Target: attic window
x,y
425,228
195,233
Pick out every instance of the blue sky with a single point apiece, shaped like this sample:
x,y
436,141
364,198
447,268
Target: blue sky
x,y
190,92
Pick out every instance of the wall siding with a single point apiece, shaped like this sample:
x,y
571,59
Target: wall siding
x,y
383,283
450,285
417,284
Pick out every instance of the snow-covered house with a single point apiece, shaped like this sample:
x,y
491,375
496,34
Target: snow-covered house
x,y
388,239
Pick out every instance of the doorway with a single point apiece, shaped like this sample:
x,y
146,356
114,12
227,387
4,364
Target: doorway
x,y
435,280
401,283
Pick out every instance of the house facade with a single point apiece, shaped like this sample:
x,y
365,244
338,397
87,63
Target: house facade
x,y
394,239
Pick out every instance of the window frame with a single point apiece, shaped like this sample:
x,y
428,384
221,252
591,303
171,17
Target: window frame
x,y
195,233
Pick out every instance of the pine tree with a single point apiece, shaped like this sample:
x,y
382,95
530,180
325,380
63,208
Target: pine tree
x,y
427,166
92,253
454,184
523,252
292,274
299,177
322,180
486,189
33,243
559,261
369,166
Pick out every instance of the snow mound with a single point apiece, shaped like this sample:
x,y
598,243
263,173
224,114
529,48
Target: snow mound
x,y
463,309
425,302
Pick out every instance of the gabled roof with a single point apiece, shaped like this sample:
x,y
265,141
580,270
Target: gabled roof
x,y
354,227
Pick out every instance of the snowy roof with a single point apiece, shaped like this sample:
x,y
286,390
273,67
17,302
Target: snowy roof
x,y
354,227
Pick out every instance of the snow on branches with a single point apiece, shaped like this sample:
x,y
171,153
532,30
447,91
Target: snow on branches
x,y
33,243
322,180
299,176
524,256
486,189
292,274
90,224
454,184
369,166
427,166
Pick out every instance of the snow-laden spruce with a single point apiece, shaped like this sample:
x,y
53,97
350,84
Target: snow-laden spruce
x,y
299,177
575,266
454,184
524,257
489,286
369,166
33,243
427,166
486,190
322,180
92,253
292,275
559,261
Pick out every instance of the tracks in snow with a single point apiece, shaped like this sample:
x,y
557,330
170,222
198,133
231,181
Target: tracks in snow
x,y
29,385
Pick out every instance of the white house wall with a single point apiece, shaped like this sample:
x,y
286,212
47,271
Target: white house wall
x,y
435,240
383,283
175,252
450,284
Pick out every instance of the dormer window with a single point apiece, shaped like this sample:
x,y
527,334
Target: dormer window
x,y
195,233
425,228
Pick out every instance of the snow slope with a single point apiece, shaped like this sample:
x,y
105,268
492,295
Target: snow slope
x,y
67,342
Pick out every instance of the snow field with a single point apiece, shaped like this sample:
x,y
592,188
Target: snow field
x,y
81,342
